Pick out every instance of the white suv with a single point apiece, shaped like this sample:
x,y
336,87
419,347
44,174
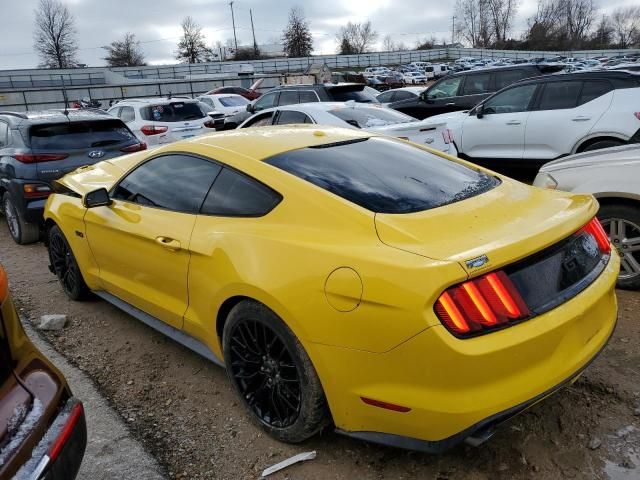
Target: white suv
x,y
163,120
535,121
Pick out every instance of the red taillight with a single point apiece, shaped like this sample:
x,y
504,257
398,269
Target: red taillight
x,y
36,190
76,413
637,114
153,130
480,304
4,285
41,157
385,405
594,228
447,136
137,147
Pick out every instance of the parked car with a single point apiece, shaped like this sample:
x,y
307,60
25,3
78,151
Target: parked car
x,y
464,90
37,148
535,121
42,425
163,120
611,175
226,104
398,94
249,93
420,287
413,78
358,116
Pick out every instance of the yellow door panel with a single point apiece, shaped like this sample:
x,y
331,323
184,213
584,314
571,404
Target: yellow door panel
x,y
143,256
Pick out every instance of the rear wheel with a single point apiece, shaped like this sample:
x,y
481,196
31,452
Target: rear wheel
x,y
602,144
622,224
65,266
272,374
21,231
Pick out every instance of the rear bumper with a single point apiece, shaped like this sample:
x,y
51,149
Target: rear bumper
x,y
31,209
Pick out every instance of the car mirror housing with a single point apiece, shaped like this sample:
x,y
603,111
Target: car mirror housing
x,y
480,111
250,108
97,198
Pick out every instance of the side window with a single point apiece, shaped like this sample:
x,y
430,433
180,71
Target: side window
x,y
115,111
127,114
476,84
386,97
174,182
236,195
287,117
208,101
560,95
288,97
267,100
402,95
259,120
4,134
507,77
592,89
307,96
444,88
516,99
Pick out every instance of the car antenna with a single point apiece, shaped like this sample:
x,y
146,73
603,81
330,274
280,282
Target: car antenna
x,y
169,96
66,99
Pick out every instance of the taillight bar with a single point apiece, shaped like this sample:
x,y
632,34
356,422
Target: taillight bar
x,y
36,190
40,157
4,285
76,413
594,228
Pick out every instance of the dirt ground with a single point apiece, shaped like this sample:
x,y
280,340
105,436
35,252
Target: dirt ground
x,y
183,410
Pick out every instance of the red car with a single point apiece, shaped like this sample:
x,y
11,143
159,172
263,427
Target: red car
x,y
250,93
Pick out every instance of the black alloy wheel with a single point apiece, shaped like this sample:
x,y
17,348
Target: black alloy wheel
x,y
65,266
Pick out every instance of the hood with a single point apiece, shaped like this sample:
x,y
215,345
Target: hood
x,y
406,127
616,156
449,118
506,224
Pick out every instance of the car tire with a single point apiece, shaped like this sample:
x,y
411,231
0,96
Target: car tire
x,y
21,231
65,266
602,144
622,235
282,393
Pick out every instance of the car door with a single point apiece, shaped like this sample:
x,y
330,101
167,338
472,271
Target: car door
x,y
442,97
476,87
499,132
141,241
563,116
267,100
291,117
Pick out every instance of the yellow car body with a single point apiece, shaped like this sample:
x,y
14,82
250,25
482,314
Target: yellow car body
x,y
357,288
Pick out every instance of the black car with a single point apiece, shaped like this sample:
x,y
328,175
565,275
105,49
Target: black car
x,y
37,148
464,90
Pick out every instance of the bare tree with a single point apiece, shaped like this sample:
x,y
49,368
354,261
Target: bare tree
x,y
580,15
388,45
192,47
474,22
358,37
297,38
54,36
125,52
626,24
502,14
561,24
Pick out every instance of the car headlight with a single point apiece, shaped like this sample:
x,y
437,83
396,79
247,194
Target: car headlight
x,y
545,180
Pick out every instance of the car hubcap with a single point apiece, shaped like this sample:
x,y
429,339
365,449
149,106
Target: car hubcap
x,y
12,219
265,373
63,263
625,236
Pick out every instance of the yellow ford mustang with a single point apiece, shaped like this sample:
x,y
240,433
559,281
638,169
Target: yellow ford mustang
x,y
341,277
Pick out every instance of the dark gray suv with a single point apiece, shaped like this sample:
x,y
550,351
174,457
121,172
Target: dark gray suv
x,y
39,147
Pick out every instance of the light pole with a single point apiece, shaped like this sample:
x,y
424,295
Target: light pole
x,y
233,21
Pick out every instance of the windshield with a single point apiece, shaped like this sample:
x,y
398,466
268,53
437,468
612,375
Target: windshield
x,y
385,175
233,101
360,96
172,112
79,135
370,116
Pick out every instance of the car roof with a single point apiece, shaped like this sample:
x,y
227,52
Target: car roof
x,y
585,75
220,95
154,101
55,116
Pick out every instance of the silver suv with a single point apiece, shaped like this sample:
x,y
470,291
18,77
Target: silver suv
x,y
39,147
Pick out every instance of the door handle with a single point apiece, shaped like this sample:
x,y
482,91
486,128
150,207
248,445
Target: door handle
x,y
514,122
169,243
581,119
452,104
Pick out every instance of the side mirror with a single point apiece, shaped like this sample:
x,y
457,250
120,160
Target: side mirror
x,y
480,111
97,198
250,108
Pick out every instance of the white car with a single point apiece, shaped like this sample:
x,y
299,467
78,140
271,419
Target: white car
x,y
357,115
612,175
375,71
161,120
538,120
226,103
414,77
397,94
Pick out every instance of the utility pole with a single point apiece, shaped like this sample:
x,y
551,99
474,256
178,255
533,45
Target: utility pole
x,y
233,21
453,29
255,45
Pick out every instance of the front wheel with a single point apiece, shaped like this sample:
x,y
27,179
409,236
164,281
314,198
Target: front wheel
x,y
272,374
65,266
622,224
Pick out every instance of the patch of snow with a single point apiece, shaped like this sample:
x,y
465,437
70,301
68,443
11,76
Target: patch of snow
x,y
23,425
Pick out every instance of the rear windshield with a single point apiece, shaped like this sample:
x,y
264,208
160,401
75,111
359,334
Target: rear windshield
x,y
172,112
233,101
368,117
359,96
385,175
79,135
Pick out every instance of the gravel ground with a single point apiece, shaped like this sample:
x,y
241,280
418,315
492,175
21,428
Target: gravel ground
x,y
183,410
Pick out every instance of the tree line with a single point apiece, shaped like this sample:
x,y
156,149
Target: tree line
x,y
556,25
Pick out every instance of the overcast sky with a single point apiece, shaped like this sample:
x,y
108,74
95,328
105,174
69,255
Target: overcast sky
x,y
156,23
